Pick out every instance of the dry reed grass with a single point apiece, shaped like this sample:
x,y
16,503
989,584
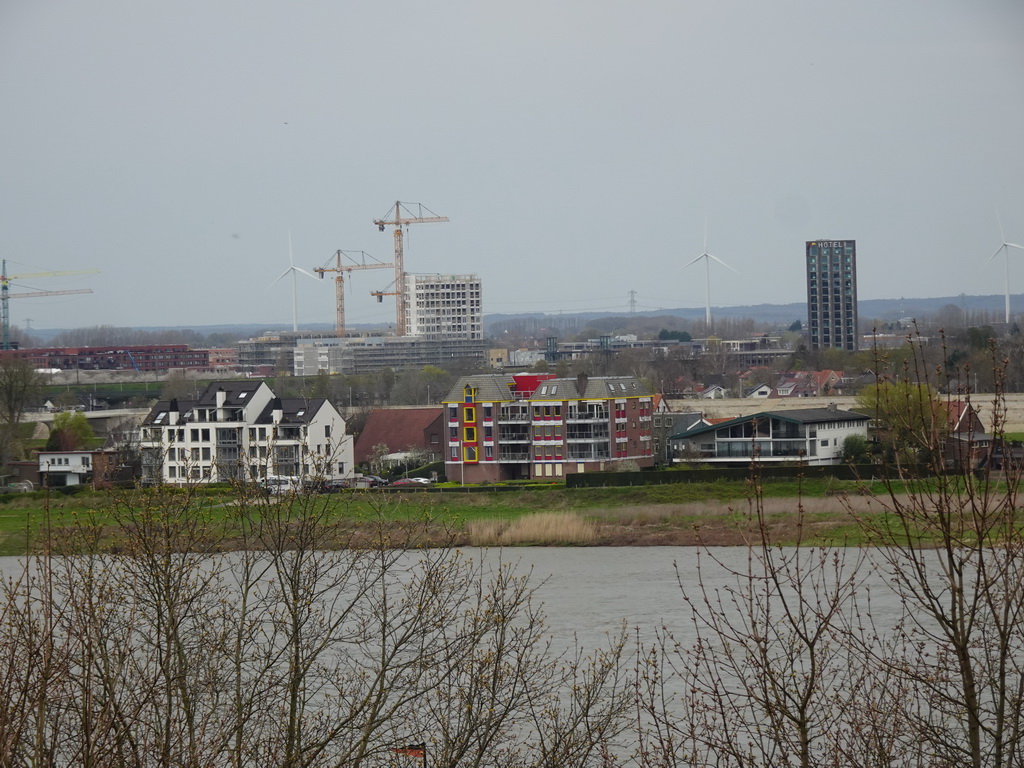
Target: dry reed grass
x,y
563,528
656,514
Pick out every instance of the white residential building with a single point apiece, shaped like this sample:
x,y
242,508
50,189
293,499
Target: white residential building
x,y
444,307
807,435
239,430
61,468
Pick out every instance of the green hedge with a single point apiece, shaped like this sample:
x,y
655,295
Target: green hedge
x,y
659,477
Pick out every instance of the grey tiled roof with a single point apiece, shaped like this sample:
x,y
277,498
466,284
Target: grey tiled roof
x,y
799,415
164,406
594,388
490,388
238,392
294,410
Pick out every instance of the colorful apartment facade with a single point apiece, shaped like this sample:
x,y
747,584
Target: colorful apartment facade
x,y
523,426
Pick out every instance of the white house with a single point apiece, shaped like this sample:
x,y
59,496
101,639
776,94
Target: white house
x,y
60,468
238,430
714,392
809,435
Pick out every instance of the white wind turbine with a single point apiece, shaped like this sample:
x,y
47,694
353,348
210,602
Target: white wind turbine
x,y
707,273
1005,248
295,297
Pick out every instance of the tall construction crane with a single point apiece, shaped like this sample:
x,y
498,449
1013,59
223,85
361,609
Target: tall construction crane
x,y
397,221
5,293
355,260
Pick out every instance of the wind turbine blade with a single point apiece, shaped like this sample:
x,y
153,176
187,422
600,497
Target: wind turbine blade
x,y
290,259
307,274
705,233
689,263
1014,245
283,275
999,219
720,262
998,251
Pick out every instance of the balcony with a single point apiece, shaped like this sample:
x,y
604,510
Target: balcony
x,y
588,414
588,453
514,415
577,433
513,455
229,437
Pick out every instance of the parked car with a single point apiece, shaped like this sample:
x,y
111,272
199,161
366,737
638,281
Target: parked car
x,y
333,486
407,481
276,485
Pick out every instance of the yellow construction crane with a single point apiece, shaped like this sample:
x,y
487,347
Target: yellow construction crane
x,y
5,293
397,221
355,260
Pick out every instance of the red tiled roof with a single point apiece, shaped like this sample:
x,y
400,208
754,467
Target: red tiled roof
x,y
399,429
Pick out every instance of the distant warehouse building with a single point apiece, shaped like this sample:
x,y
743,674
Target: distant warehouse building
x,y
145,357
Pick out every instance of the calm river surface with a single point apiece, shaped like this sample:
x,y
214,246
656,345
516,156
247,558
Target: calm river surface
x,y
588,592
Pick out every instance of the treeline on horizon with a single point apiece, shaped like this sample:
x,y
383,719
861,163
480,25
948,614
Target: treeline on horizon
x,y
523,328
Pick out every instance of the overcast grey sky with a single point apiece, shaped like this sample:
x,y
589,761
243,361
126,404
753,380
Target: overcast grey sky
x,y
576,145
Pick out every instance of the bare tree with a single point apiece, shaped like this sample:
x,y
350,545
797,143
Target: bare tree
x,y
20,384
313,645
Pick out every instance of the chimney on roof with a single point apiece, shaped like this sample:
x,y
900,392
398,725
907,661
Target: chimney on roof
x,y
581,384
832,407
222,398
173,411
276,410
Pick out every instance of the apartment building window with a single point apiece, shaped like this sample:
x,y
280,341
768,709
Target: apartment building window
x,y
469,414
469,434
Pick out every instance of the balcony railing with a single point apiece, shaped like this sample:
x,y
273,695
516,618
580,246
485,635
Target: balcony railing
x,y
513,455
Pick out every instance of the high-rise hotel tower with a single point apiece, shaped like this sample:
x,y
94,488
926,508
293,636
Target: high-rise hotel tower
x,y
832,294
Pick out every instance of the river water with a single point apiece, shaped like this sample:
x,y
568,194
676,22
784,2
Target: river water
x,y
588,592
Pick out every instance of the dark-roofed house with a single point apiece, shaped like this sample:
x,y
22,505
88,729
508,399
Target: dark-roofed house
x,y
239,430
522,426
810,435
401,429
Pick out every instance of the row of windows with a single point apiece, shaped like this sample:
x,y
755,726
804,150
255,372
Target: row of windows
x,y
64,461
